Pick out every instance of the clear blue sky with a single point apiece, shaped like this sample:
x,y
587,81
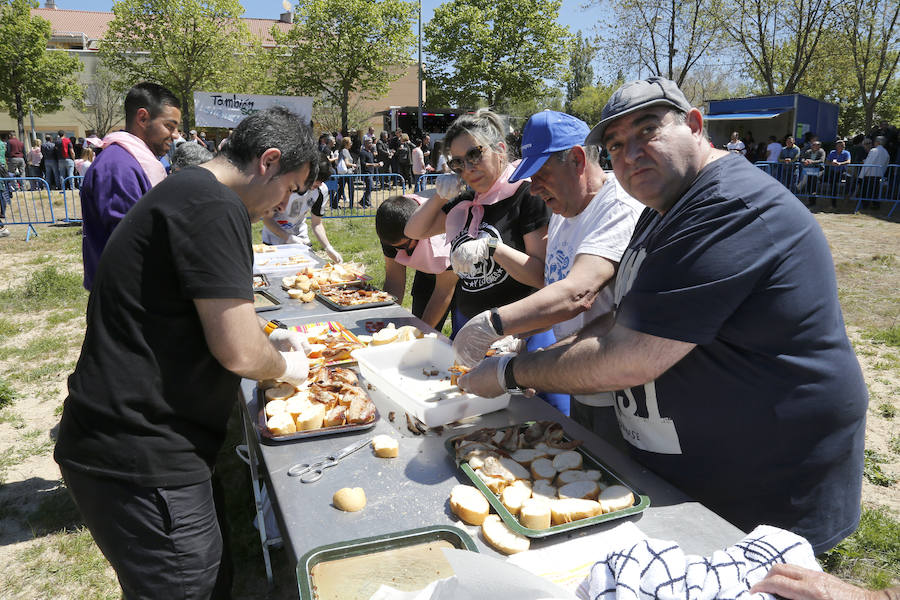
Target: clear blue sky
x,y
571,13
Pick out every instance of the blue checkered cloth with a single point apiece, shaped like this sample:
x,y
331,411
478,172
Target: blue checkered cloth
x,y
655,569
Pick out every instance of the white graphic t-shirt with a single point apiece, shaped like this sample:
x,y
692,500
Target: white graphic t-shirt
x,y
293,219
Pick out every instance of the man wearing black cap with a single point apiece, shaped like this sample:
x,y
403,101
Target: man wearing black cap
x,y
726,347
593,219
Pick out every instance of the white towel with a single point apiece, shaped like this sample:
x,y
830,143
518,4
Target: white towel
x,y
657,569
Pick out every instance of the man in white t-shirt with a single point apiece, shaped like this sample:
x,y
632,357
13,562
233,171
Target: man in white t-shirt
x,y
773,149
736,146
592,222
287,224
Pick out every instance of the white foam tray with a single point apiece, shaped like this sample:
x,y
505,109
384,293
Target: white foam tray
x,y
401,369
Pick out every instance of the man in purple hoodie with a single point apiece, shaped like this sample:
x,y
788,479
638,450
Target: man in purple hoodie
x,y
127,168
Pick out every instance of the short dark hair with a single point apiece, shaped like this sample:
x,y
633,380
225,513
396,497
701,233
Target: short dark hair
x,y
275,127
150,96
391,218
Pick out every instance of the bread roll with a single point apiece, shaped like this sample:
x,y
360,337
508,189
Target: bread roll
x,y
408,333
297,403
288,281
469,504
525,456
476,457
543,490
570,459
282,391
501,537
495,484
349,499
385,446
504,467
281,424
542,468
522,483
549,450
573,509
385,336
311,418
307,297
579,489
274,407
513,496
616,497
295,293
535,514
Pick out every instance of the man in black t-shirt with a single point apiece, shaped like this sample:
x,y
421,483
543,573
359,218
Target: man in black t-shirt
x,y
725,347
171,330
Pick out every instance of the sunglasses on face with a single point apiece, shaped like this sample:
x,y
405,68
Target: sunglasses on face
x,y
472,158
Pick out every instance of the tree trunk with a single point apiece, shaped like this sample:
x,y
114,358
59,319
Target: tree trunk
x,y
345,104
20,115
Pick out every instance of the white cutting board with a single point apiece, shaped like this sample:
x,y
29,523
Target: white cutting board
x,y
403,371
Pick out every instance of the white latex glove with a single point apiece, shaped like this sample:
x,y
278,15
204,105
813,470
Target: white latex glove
x,y
487,379
474,339
296,368
293,239
468,254
336,257
509,345
287,340
448,185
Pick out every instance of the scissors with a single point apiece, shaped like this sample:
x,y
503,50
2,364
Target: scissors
x,y
313,470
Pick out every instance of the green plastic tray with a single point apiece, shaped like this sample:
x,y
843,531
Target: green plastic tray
x,y
590,462
455,536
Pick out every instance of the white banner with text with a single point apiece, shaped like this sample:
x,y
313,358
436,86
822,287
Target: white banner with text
x,y
227,110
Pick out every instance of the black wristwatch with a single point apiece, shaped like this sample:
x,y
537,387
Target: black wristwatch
x,y
496,322
273,325
510,379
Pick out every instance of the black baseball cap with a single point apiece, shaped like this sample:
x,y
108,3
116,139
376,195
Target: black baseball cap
x,y
637,95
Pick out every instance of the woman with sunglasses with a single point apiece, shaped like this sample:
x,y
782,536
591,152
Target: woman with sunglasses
x,y
496,229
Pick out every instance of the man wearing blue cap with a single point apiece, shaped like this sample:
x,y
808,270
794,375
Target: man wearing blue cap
x,y
592,222
726,347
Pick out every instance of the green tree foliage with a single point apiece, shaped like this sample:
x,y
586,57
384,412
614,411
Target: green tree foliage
x,y
185,45
872,31
32,77
779,40
581,73
665,37
500,51
589,104
341,50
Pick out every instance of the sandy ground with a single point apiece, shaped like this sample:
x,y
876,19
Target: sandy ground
x,y
853,239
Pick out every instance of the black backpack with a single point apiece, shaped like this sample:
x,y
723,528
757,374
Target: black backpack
x,y
403,154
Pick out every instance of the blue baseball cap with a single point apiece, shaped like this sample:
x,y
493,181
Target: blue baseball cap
x,y
547,132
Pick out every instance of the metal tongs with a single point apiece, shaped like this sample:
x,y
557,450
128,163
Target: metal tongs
x,y
311,471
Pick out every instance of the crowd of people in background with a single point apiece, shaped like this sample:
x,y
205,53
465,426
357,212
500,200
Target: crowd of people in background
x,y
856,166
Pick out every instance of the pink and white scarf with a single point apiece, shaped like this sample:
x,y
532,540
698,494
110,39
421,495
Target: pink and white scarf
x,y
501,190
431,255
153,169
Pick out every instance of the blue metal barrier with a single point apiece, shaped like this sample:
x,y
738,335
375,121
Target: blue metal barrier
x,y
72,198
425,180
26,201
359,195
857,183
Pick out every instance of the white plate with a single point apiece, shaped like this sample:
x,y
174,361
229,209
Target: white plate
x,y
402,370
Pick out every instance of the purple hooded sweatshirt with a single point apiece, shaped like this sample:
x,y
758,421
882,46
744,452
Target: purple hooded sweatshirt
x,y
113,184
